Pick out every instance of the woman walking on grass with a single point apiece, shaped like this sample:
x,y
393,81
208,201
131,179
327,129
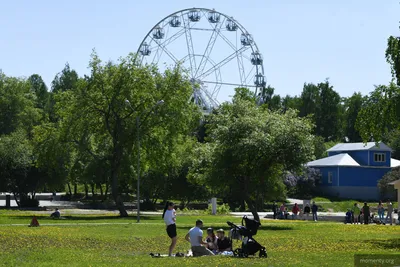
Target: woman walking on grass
x,y
169,216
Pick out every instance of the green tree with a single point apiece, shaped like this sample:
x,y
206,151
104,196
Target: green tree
x,y
309,99
352,107
40,89
393,56
385,188
328,113
66,80
289,102
94,116
249,148
380,113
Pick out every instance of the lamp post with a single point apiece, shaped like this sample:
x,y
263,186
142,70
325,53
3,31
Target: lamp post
x,y
138,150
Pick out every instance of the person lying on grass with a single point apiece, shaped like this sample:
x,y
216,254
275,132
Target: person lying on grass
x,y
195,237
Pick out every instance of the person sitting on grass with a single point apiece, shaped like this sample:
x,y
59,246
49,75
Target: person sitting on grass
x,y
224,243
212,240
195,237
56,214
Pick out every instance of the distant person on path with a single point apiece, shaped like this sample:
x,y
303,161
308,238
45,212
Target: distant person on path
x,y
56,214
295,211
381,211
274,209
169,216
389,212
356,213
307,210
366,213
314,209
195,237
282,210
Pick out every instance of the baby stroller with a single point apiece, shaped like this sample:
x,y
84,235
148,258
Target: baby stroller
x,y
245,232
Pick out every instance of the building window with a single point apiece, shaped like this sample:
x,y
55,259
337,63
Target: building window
x,y
329,177
379,157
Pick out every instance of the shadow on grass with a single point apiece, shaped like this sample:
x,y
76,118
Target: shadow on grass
x,y
386,244
88,218
226,228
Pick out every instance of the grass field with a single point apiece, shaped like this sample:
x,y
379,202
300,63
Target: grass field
x,y
107,240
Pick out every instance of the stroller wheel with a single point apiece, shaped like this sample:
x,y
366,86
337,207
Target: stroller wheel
x,y
262,253
237,252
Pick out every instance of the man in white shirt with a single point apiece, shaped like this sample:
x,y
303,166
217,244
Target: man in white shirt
x,y
195,237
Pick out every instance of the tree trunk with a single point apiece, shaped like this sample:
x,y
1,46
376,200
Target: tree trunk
x,y
101,189
16,200
86,191
75,189
115,166
252,208
69,189
93,193
106,192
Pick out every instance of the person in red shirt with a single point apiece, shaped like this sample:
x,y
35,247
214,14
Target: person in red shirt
x,y
295,211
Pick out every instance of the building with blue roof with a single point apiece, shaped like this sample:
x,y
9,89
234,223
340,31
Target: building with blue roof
x,y
352,170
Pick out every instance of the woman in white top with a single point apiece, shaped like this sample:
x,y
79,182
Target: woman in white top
x,y
169,216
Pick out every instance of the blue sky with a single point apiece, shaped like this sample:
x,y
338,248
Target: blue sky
x,y
301,41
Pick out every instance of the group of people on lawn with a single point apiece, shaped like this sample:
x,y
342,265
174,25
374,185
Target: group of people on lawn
x,y
213,244
358,215
283,213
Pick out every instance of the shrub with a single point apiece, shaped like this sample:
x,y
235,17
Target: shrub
x,y
221,209
303,185
387,190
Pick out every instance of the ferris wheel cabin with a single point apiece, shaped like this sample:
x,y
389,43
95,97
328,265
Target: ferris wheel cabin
x,y
145,50
175,22
194,15
213,17
256,58
259,80
158,33
246,39
231,25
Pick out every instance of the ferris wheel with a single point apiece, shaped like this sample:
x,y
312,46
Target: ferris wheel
x,y
216,51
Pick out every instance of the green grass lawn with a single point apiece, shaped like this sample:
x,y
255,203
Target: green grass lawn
x,y
117,241
337,205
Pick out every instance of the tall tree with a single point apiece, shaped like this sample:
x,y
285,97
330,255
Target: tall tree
x,y
95,118
40,89
328,113
352,107
289,102
380,113
393,56
249,148
309,99
65,80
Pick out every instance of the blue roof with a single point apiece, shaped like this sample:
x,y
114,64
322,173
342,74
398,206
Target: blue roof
x,y
336,160
359,146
